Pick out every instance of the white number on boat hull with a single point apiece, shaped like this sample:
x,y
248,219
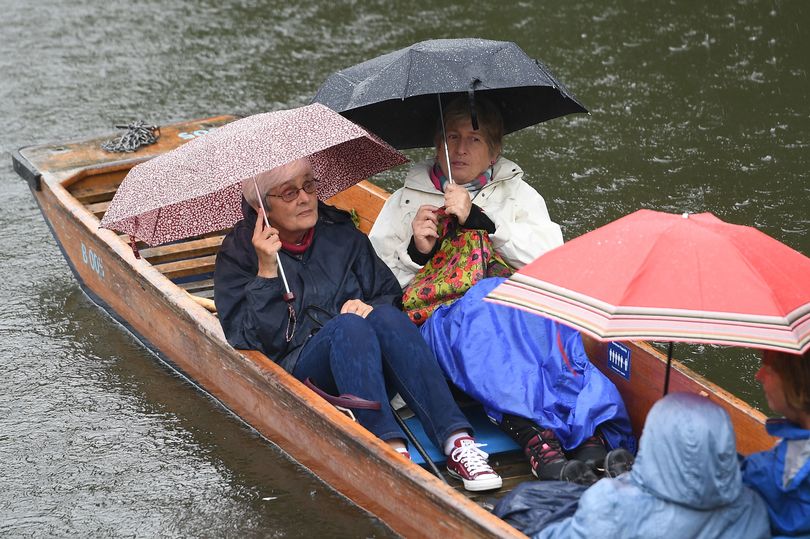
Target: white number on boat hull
x,y
92,259
194,134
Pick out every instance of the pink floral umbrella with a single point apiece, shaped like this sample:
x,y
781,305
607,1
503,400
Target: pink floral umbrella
x,y
196,188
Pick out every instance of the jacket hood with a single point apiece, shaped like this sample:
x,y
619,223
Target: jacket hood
x,y
780,427
503,170
687,453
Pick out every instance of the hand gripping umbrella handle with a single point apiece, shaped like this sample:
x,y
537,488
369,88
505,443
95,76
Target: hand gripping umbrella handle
x,y
289,296
278,258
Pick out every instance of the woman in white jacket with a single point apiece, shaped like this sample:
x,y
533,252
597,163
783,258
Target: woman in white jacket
x,y
489,193
550,407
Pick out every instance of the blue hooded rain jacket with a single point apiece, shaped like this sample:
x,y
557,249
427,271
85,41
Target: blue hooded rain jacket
x,y
787,492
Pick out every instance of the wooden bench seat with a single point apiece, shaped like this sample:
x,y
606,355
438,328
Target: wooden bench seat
x,y
92,188
186,249
201,287
98,208
188,267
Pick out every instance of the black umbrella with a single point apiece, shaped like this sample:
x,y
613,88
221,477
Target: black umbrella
x,y
395,95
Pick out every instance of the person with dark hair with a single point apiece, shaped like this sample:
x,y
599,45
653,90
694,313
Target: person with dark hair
x,y
782,475
531,374
349,336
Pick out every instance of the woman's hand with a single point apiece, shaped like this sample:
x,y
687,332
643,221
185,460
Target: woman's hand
x,y
424,225
267,244
355,306
457,202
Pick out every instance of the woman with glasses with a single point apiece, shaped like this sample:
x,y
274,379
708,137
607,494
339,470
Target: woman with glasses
x,y
340,328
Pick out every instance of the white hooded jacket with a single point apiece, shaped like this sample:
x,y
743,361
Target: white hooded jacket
x,y
523,228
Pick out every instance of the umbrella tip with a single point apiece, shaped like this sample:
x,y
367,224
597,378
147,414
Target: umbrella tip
x,y
685,215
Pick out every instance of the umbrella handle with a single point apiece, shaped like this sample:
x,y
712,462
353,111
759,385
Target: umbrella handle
x,y
473,112
283,277
267,224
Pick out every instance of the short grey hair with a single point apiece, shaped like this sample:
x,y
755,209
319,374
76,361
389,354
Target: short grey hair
x,y
271,178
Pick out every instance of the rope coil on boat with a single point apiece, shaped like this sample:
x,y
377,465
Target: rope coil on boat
x,y
137,135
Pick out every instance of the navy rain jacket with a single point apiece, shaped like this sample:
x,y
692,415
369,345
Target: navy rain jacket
x,y
339,265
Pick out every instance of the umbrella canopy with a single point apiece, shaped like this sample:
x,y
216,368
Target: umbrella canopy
x,y
394,95
196,188
665,277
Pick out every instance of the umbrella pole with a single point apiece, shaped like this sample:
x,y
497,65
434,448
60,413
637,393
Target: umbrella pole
x,y
444,138
281,272
419,448
669,367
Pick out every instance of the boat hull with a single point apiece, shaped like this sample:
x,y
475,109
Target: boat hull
x,y
189,339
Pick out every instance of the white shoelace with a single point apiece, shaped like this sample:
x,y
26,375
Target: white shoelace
x,y
472,458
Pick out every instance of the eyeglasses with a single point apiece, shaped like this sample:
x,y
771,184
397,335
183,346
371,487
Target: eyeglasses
x,y
291,194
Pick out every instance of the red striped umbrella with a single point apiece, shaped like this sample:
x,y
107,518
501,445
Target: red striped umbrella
x,y
664,277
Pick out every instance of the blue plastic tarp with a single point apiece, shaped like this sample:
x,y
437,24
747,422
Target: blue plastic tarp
x,y
523,364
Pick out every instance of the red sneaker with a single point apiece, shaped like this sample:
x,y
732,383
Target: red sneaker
x,y
545,455
468,463
547,461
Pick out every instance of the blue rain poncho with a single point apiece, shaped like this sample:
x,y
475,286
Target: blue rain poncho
x,y
786,491
686,482
512,362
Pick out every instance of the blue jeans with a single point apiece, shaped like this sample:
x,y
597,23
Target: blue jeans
x,y
379,355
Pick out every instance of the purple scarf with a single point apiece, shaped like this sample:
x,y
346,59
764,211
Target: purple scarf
x,y
440,180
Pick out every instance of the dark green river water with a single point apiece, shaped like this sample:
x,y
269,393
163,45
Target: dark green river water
x,y
695,106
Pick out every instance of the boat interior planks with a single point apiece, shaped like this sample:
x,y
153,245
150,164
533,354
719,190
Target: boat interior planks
x,y
164,297
364,201
646,385
187,249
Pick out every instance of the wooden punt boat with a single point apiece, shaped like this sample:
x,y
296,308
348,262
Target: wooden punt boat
x,y
164,298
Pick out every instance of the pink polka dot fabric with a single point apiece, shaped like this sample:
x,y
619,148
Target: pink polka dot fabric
x,y
196,188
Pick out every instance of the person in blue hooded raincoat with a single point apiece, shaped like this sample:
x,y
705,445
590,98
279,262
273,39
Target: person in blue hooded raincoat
x,y
782,475
531,374
686,482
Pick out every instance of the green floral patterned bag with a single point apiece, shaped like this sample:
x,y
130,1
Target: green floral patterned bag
x,y
464,258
